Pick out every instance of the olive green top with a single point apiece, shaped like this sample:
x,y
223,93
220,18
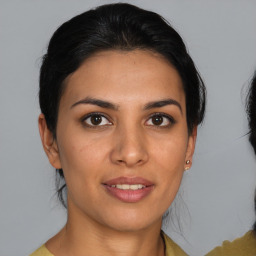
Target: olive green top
x,y
171,249
243,246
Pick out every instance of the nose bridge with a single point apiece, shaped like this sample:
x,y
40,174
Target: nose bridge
x,y
130,145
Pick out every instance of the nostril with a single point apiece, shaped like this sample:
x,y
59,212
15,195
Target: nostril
x,y
129,154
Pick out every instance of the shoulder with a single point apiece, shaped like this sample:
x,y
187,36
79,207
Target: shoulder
x,y
245,245
42,251
171,247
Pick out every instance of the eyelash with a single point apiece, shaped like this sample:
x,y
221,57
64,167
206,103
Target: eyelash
x,y
83,120
163,115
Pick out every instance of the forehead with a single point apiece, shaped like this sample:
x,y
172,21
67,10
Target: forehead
x,y
125,75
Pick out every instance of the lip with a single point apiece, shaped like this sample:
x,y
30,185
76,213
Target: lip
x,y
128,195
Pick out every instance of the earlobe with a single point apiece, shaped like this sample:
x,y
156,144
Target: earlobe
x,y
190,148
49,143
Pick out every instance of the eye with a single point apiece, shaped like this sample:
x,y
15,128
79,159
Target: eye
x,y
161,120
96,119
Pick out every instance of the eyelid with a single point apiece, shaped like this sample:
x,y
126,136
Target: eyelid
x,y
164,115
96,113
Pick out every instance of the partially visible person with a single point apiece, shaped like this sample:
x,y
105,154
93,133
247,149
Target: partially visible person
x,y
245,245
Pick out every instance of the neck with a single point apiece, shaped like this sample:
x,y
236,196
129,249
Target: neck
x,y
83,236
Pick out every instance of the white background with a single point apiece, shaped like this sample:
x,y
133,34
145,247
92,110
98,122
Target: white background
x,y
216,198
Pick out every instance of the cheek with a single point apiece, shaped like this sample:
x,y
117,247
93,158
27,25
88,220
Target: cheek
x,y
81,158
169,157
171,153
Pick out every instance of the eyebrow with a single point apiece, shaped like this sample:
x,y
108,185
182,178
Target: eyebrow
x,y
97,102
162,103
109,105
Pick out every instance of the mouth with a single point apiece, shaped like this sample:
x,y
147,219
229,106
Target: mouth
x,y
127,186
129,190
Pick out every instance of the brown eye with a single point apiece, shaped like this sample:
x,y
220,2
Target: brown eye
x,y
96,120
157,120
160,120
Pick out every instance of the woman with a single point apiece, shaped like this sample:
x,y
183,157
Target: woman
x,y
121,100
245,245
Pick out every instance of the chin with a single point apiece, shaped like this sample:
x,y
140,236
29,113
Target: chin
x,y
129,226
132,221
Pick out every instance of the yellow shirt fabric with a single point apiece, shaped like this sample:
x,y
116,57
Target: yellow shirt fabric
x,y
243,246
172,249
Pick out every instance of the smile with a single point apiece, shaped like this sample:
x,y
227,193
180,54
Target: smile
x,y
127,186
128,190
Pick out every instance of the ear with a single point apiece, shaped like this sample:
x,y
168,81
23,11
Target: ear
x,y
49,143
190,148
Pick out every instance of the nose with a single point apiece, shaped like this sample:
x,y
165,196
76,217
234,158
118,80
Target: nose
x,y
130,147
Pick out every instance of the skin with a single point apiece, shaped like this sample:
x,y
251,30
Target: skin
x,y
127,143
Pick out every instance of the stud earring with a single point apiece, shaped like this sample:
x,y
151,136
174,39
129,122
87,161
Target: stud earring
x,y
187,167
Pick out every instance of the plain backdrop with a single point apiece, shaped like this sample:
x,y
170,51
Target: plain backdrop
x,y
215,202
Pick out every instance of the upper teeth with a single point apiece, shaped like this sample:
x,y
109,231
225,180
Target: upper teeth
x,y
127,186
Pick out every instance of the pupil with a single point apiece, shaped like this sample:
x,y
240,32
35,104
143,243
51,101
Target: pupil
x,y
96,119
157,120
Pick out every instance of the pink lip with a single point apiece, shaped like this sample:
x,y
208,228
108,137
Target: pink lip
x,y
129,196
128,180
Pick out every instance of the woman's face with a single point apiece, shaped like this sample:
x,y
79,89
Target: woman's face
x,y
122,138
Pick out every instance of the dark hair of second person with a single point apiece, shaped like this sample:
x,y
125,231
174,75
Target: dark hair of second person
x,y
251,114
